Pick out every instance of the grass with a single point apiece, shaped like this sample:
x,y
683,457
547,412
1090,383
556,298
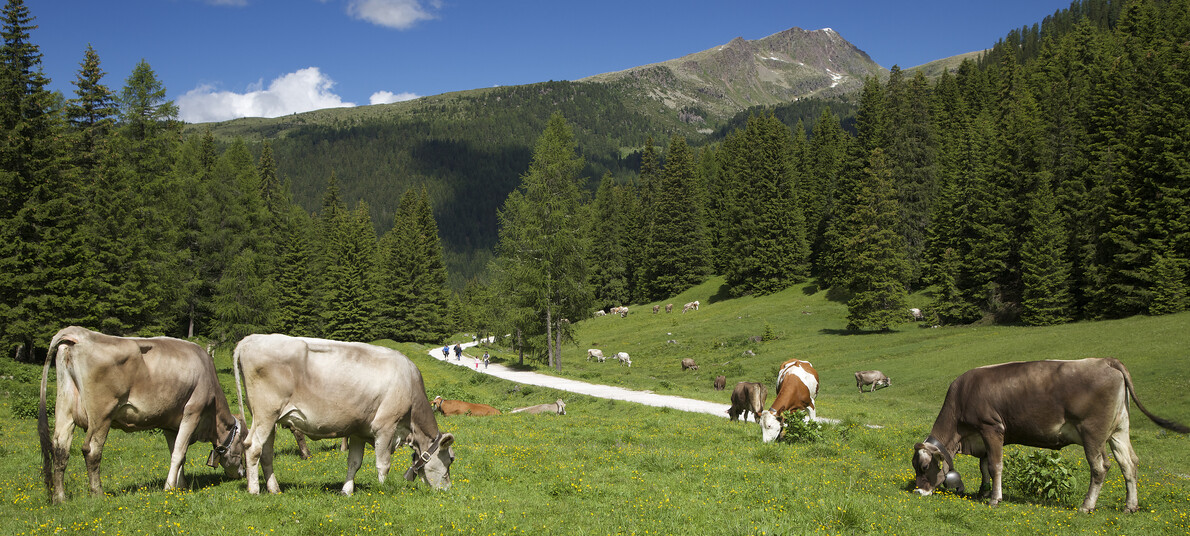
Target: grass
x,y
614,467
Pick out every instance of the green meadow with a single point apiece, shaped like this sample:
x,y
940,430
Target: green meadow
x,y
618,468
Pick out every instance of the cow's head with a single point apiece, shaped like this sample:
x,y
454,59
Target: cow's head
x,y
770,426
433,464
561,407
934,468
229,451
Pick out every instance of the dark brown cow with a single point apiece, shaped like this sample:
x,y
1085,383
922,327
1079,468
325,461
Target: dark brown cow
x,y
133,384
720,382
458,407
747,397
797,385
688,364
1045,404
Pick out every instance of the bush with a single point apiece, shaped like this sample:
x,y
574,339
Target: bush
x,y
799,428
24,402
1040,474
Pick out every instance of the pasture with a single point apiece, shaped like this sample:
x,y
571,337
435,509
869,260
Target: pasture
x,y
618,468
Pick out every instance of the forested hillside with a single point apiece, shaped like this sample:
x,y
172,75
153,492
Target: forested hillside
x,y
1044,182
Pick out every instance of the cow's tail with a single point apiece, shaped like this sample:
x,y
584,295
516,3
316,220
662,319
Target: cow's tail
x,y
1164,423
235,368
43,419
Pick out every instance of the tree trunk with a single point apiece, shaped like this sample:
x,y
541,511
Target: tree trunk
x,y
549,337
558,350
520,346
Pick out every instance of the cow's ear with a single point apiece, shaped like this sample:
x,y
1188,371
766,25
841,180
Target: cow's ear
x,y
940,460
446,441
145,346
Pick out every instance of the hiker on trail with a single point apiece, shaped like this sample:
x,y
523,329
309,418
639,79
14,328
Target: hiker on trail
x,y
445,352
458,353
486,359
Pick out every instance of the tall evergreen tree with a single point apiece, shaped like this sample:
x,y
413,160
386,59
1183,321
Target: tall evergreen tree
x,y
608,256
1045,272
876,252
295,282
678,244
542,247
350,302
91,114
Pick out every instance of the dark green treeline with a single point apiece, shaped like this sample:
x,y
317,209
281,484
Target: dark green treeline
x,y
112,220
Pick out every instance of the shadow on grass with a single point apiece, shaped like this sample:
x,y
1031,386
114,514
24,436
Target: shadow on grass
x,y
849,332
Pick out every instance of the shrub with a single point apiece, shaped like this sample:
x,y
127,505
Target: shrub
x,y
24,402
1041,474
769,333
799,428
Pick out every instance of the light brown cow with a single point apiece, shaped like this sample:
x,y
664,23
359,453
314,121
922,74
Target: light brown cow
x,y
134,384
595,353
747,397
558,407
328,389
688,364
656,308
669,307
1044,404
458,407
720,382
692,306
875,378
797,386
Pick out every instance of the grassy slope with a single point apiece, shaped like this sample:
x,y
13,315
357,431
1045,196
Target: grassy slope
x,y
613,467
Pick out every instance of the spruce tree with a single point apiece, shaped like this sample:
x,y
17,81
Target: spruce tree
x,y
608,256
350,300
876,252
678,245
295,282
1045,272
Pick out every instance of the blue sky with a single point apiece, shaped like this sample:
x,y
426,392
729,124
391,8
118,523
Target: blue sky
x,y
221,59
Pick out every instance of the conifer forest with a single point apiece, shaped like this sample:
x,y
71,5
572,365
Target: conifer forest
x,y
1047,181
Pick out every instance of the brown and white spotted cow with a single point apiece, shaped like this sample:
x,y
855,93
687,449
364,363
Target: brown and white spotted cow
x,y
747,397
797,385
1044,404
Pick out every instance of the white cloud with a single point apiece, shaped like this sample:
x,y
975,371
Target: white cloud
x,y
301,91
399,14
388,97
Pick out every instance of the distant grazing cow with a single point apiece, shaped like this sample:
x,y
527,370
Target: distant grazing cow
x,y
797,385
747,397
875,378
323,388
131,384
692,306
669,307
600,313
595,353
656,308
1044,404
916,314
458,407
688,364
720,382
624,359
558,407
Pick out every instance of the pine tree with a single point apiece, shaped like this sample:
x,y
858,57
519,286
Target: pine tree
x,y
542,247
295,283
350,303
678,244
608,256
91,114
412,294
1045,272
876,252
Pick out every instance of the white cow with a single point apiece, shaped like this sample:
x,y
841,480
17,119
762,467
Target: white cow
x,y
595,353
327,389
624,359
692,306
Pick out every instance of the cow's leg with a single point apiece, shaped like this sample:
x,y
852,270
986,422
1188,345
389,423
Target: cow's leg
x,y
995,465
355,458
93,453
63,436
266,462
178,448
259,434
180,477
1121,448
1096,453
384,454
300,438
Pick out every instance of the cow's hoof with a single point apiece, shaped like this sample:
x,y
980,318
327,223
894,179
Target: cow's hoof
x,y
994,503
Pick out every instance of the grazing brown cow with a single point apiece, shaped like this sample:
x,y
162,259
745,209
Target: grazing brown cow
x,y
595,353
558,406
688,364
656,308
134,384
1044,404
458,407
720,382
327,389
797,385
875,378
669,307
747,397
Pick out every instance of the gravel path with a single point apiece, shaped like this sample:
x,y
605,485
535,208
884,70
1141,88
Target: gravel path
x,y
591,389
